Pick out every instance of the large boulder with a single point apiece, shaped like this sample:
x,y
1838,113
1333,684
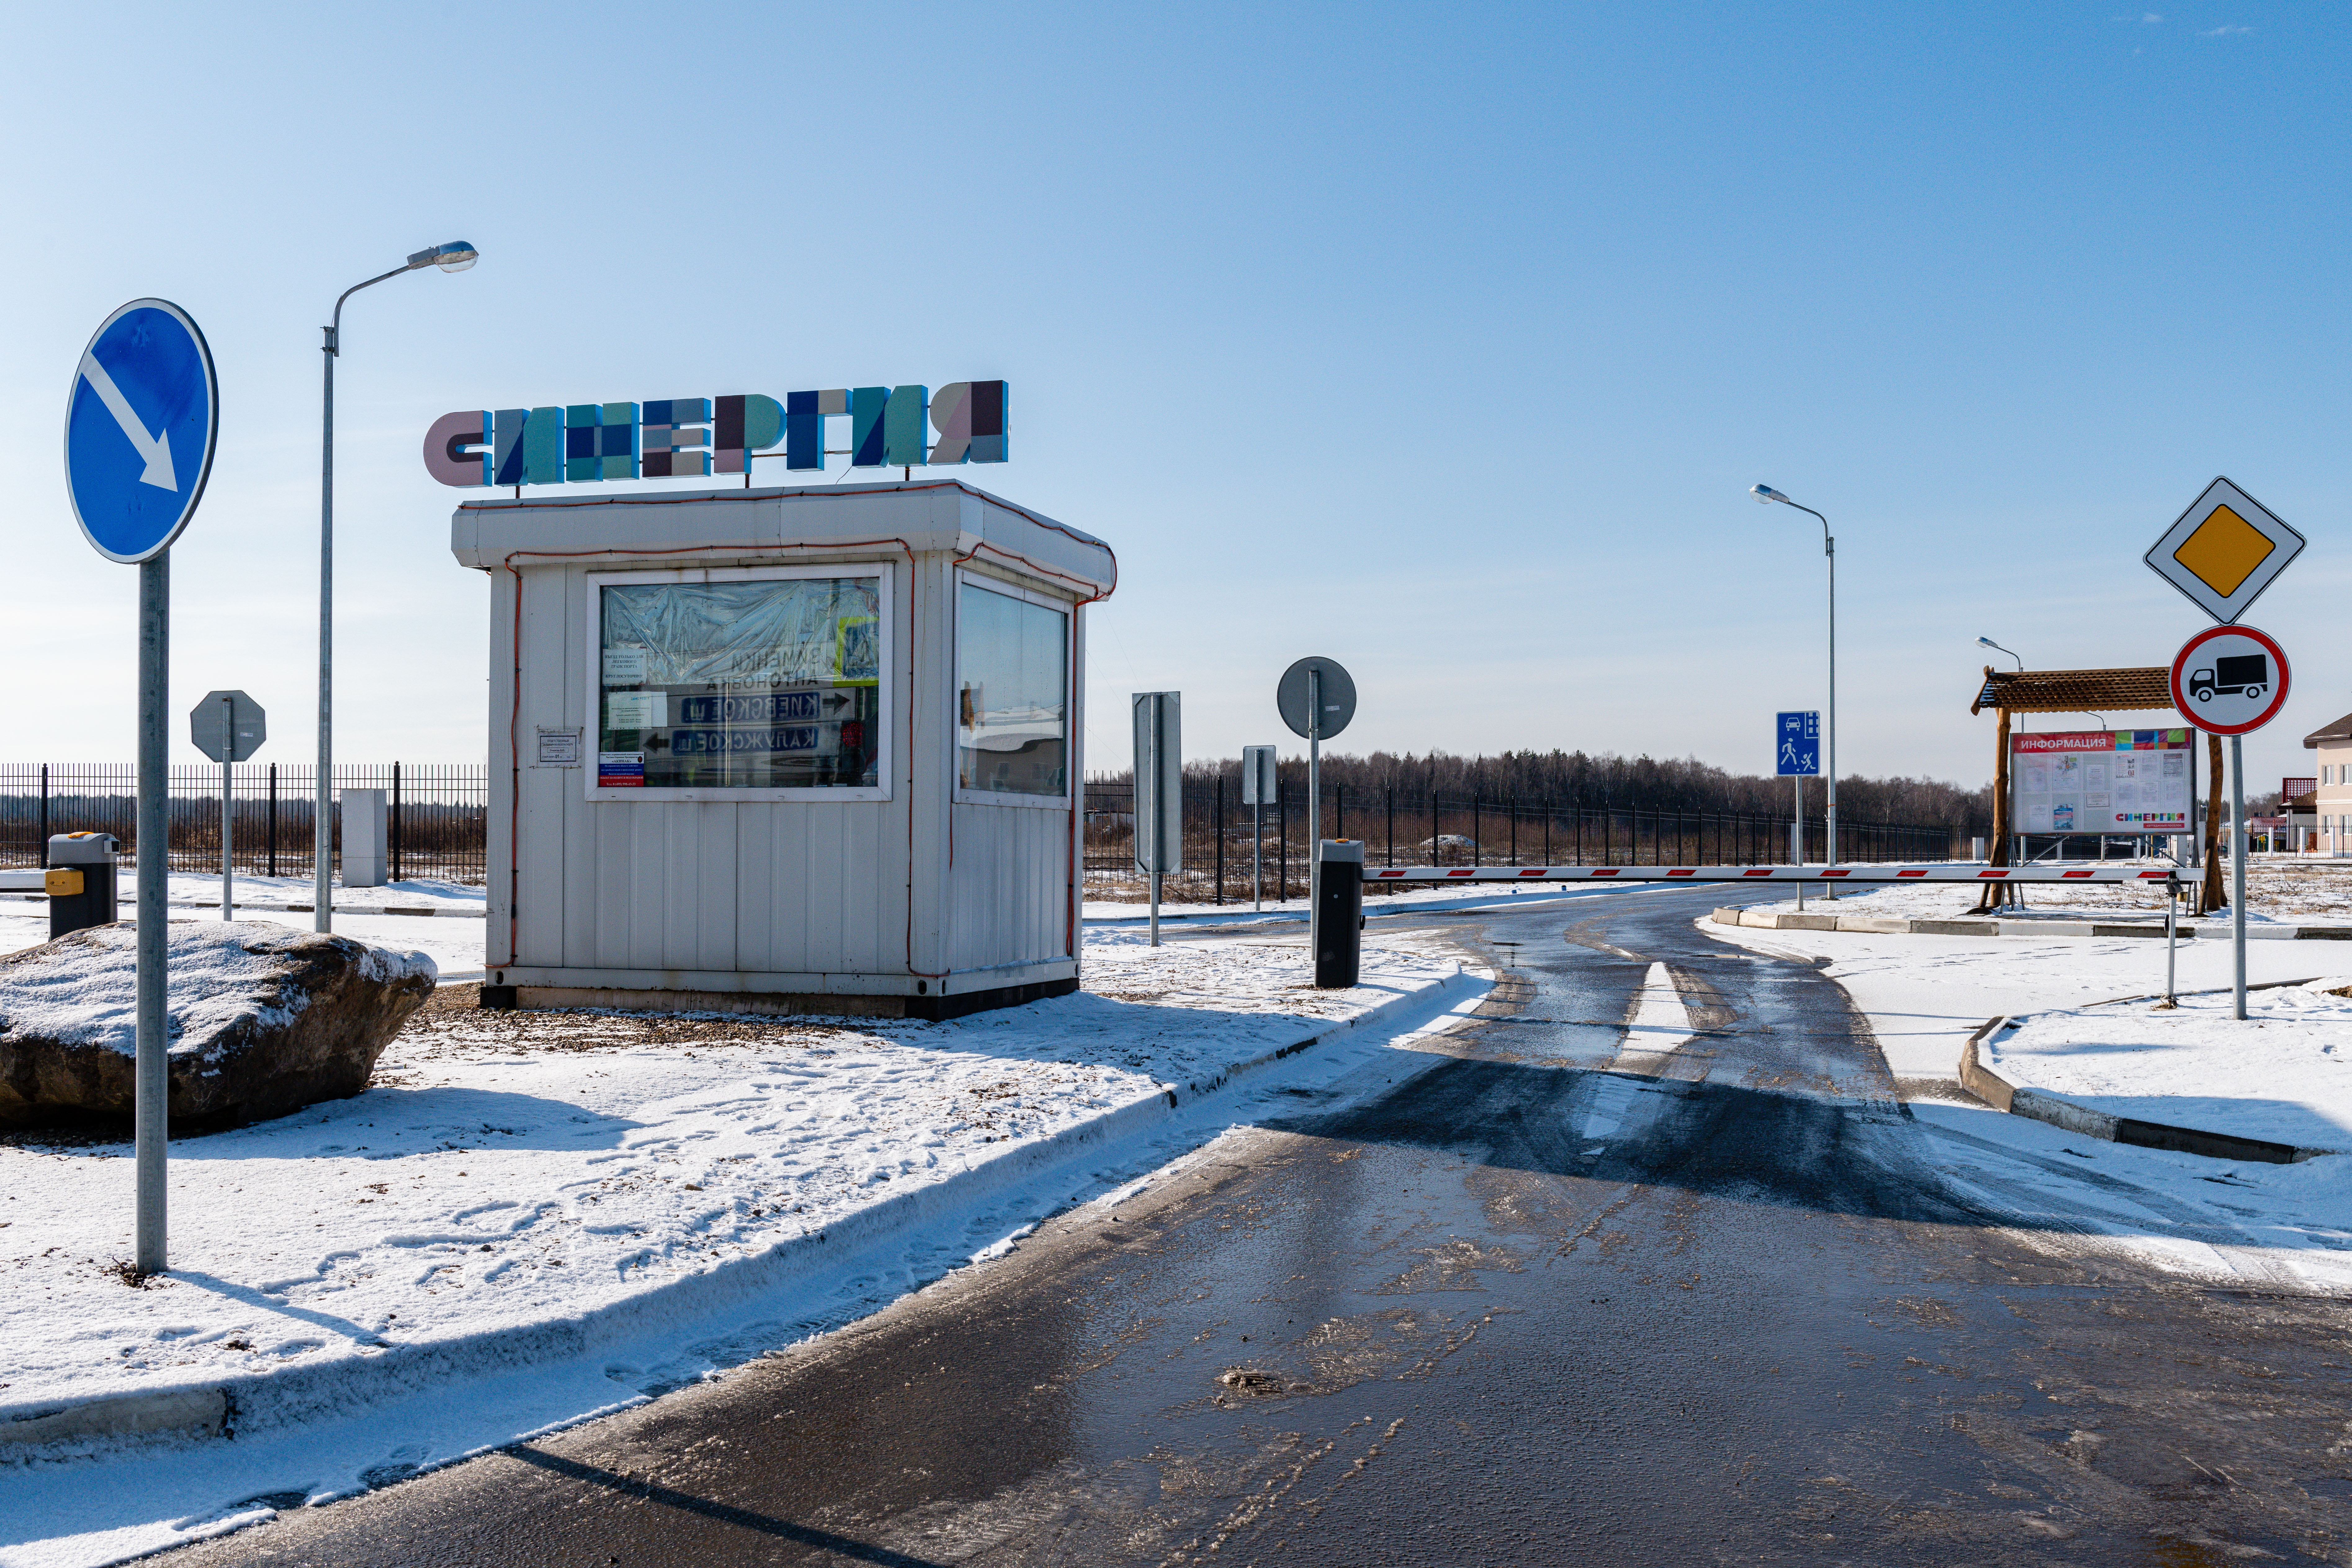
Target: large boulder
x,y
262,1019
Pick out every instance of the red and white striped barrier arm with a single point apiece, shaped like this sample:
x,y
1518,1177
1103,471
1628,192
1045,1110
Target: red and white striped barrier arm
x,y
1770,874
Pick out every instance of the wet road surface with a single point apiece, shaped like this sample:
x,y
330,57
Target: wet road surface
x,y
1648,1266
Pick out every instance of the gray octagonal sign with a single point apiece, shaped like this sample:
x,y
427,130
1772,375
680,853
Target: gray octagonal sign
x,y
228,718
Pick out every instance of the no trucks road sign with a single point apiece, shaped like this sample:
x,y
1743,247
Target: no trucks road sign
x,y
2229,681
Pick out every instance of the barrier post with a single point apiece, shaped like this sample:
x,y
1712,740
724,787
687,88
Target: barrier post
x,y
1336,926
92,854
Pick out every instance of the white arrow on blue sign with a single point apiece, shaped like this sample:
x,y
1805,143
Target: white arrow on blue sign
x,y
1797,744
141,424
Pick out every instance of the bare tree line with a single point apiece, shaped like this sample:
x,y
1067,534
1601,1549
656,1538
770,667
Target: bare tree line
x,y
1606,779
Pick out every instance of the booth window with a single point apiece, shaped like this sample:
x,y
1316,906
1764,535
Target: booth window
x,y
1013,698
761,683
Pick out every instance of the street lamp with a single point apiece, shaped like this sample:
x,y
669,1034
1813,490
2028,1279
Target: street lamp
x,y
455,256
1765,496
1988,642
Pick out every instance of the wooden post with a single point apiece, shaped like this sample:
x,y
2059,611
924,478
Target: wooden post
x,y
2209,896
1996,894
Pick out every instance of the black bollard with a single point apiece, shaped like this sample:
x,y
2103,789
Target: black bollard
x,y
1336,930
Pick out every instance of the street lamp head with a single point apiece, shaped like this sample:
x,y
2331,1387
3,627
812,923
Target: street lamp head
x,y
1766,495
1988,642
454,256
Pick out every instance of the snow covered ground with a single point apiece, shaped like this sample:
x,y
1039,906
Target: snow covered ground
x,y
2284,1074
268,892
454,945
2276,893
2284,1225
518,1187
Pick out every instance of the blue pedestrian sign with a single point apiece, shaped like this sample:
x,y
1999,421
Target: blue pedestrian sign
x,y
141,423
1797,743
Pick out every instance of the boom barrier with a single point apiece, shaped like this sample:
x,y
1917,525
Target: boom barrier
x,y
1773,874
1336,944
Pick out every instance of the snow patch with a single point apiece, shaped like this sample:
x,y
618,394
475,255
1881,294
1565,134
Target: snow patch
x,y
85,991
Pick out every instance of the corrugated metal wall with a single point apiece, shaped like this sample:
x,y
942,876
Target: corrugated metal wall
x,y
1006,892
783,893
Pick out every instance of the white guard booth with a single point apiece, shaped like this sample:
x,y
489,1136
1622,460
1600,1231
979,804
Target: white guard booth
x,y
808,749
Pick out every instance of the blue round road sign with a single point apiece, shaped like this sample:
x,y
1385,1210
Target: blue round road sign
x,y
141,422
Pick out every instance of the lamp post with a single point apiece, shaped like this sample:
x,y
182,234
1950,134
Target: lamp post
x,y
1988,642
455,256
1765,496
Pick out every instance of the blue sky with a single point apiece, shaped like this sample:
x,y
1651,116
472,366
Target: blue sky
x,y
1443,341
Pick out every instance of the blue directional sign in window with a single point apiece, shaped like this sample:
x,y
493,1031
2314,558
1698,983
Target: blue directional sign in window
x,y
141,423
1797,744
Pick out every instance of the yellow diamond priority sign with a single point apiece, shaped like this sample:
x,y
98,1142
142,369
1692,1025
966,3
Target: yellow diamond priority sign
x,y
2225,551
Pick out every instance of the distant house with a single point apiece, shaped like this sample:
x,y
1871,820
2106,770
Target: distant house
x,y
2325,814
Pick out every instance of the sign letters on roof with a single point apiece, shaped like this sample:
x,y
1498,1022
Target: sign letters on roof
x,y
693,438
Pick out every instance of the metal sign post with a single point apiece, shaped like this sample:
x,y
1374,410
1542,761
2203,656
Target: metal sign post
x,y
228,841
1797,756
2229,679
228,726
1314,762
1258,784
142,417
1317,699
2238,877
1159,791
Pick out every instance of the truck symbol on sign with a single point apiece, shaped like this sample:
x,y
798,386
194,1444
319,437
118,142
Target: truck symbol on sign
x,y
2247,675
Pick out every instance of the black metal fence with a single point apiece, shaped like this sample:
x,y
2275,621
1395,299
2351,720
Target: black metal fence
x,y
438,821
1402,829
437,818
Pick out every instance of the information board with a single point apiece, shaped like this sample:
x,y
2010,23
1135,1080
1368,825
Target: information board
x,y
2101,781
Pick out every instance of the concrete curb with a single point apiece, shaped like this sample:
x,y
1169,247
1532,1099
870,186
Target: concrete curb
x,y
1896,926
2041,1106
297,1395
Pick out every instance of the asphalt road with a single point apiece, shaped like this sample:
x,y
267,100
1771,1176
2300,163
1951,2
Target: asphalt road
x,y
1579,1292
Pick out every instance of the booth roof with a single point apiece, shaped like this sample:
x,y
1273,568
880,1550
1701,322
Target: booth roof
x,y
917,516
2074,691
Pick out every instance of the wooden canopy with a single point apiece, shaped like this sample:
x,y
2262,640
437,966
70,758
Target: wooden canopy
x,y
2074,691
2100,692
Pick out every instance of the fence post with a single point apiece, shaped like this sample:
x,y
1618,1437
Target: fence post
x,y
394,834
1391,805
1217,827
1477,835
1338,813
45,816
1433,825
273,819
1515,830
1282,827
